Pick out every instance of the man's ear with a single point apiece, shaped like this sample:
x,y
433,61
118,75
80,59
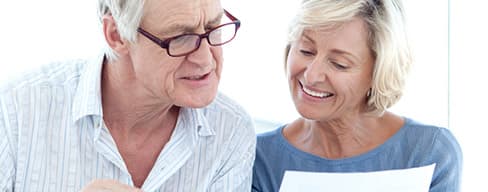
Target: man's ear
x,y
112,36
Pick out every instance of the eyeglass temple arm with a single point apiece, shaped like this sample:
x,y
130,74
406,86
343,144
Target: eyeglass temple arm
x,y
231,17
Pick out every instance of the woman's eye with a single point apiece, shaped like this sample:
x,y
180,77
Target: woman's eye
x,y
306,53
339,66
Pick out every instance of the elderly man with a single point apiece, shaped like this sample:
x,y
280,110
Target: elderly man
x,y
145,115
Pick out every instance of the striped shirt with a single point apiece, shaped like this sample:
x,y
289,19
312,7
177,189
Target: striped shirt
x,y
52,138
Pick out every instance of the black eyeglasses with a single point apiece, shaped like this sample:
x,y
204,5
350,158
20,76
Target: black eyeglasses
x,y
185,44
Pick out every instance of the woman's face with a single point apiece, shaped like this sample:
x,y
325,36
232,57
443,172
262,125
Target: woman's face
x,y
330,71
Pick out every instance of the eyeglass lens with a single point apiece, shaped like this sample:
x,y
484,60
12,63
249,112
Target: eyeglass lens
x,y
189,43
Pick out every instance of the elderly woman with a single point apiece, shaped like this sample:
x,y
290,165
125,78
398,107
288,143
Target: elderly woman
x,y
346,62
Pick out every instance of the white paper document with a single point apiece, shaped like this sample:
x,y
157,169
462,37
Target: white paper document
x,y
401,180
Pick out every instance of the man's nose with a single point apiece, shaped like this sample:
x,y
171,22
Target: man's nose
x,y
202,55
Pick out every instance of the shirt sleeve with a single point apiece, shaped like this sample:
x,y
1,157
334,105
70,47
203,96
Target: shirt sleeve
x,y
235,174
448,157
7,165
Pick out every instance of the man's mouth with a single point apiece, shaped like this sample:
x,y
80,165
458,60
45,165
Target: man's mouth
x,y
196,77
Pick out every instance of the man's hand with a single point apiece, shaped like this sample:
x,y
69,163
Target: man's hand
x,y
108,185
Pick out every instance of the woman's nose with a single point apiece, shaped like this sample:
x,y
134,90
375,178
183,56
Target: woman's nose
x,y
315,71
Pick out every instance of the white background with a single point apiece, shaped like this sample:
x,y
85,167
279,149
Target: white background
x,y
468,87
445,87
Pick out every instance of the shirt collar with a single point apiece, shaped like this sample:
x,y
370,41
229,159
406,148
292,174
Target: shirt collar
x,y
87,99
199,121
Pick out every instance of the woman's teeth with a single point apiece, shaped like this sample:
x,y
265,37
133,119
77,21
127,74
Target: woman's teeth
x,y
316,94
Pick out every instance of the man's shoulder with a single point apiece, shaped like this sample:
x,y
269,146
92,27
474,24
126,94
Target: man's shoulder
x,y
225,105
226,116
53,74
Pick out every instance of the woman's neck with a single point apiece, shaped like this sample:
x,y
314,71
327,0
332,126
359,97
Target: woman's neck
x,y
342,138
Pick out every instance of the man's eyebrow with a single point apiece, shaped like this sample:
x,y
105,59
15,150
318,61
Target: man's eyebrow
x,y
215,20
177,28
182,28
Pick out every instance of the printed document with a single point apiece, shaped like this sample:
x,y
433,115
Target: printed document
x,y
401,180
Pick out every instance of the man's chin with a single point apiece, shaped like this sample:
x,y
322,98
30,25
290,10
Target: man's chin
x,y
198,102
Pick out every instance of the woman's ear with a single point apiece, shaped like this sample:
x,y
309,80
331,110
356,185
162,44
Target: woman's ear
x,y
112,36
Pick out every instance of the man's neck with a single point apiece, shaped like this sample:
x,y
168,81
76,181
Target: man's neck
x,y
127,106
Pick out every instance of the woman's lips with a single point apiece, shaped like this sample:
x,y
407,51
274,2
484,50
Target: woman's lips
x,y
315,93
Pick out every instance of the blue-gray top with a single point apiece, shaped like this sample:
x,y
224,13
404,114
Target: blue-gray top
x,y
414,145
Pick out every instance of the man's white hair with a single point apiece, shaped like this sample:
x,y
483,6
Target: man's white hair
x,y
127,15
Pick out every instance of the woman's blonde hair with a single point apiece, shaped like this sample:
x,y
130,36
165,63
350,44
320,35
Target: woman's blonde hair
x,y
127,15
387,39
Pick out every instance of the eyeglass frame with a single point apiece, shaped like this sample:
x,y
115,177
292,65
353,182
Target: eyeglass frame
x,y
164,43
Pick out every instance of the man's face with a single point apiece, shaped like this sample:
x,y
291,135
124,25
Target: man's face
x,y
187,81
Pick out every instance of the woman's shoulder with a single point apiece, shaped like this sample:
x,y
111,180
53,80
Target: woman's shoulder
x,y
420,130
442,139
435,144
433,139
270,136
